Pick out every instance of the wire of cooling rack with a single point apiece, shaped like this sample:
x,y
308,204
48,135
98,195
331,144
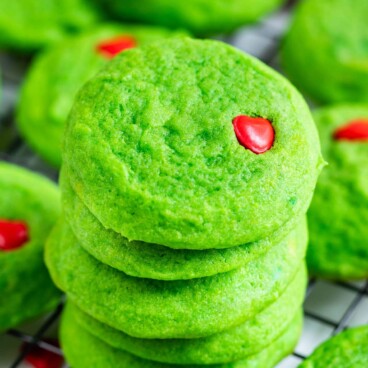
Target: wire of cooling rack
x,y
266,37
36,340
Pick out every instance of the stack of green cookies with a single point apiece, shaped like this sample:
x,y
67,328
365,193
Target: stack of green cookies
x,y
188,167
325,51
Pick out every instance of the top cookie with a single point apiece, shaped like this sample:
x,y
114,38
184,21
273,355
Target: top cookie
x,y
339,211
202,17
325,52
151,149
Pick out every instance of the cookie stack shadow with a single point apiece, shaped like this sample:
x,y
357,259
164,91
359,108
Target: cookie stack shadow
x,y
135,304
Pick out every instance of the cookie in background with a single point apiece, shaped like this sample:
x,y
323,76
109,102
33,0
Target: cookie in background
x,y
339,211
325,52
348,349
29,206
59,72
200,17
30,25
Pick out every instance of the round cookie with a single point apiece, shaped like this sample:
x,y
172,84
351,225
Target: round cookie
x,y
202,17
231,345
339,210
151,150
78,344
59,72
33,24
158,262
324,52
349,349
29,206
170,309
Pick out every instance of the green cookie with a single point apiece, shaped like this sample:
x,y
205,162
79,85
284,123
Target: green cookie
x,y
325,51
58,73
349,349
170,309
80,349
26,290
154,261
202,17
33,24
339,211
231,345
151,150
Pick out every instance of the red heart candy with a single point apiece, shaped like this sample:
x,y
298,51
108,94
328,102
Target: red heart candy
x,y
355,130
13,234
112,47
42,358
255,134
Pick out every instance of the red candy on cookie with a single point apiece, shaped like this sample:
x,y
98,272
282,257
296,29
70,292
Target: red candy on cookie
x,y
13,234
356,130
112,47
255,134
42,358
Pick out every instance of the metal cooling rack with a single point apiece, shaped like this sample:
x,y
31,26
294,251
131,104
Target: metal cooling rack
x,y
329,307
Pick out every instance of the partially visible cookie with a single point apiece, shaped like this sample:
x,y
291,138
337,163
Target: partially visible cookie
x,y
29,206
30,25
202,17
325,51
349,349
339,211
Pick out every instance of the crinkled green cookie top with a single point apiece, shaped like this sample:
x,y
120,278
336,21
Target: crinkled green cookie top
x,y
339,210
80,349
349,349
151,151
233,344
325,51
33,24
170,309
24,280
158,262
55,78
201,17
